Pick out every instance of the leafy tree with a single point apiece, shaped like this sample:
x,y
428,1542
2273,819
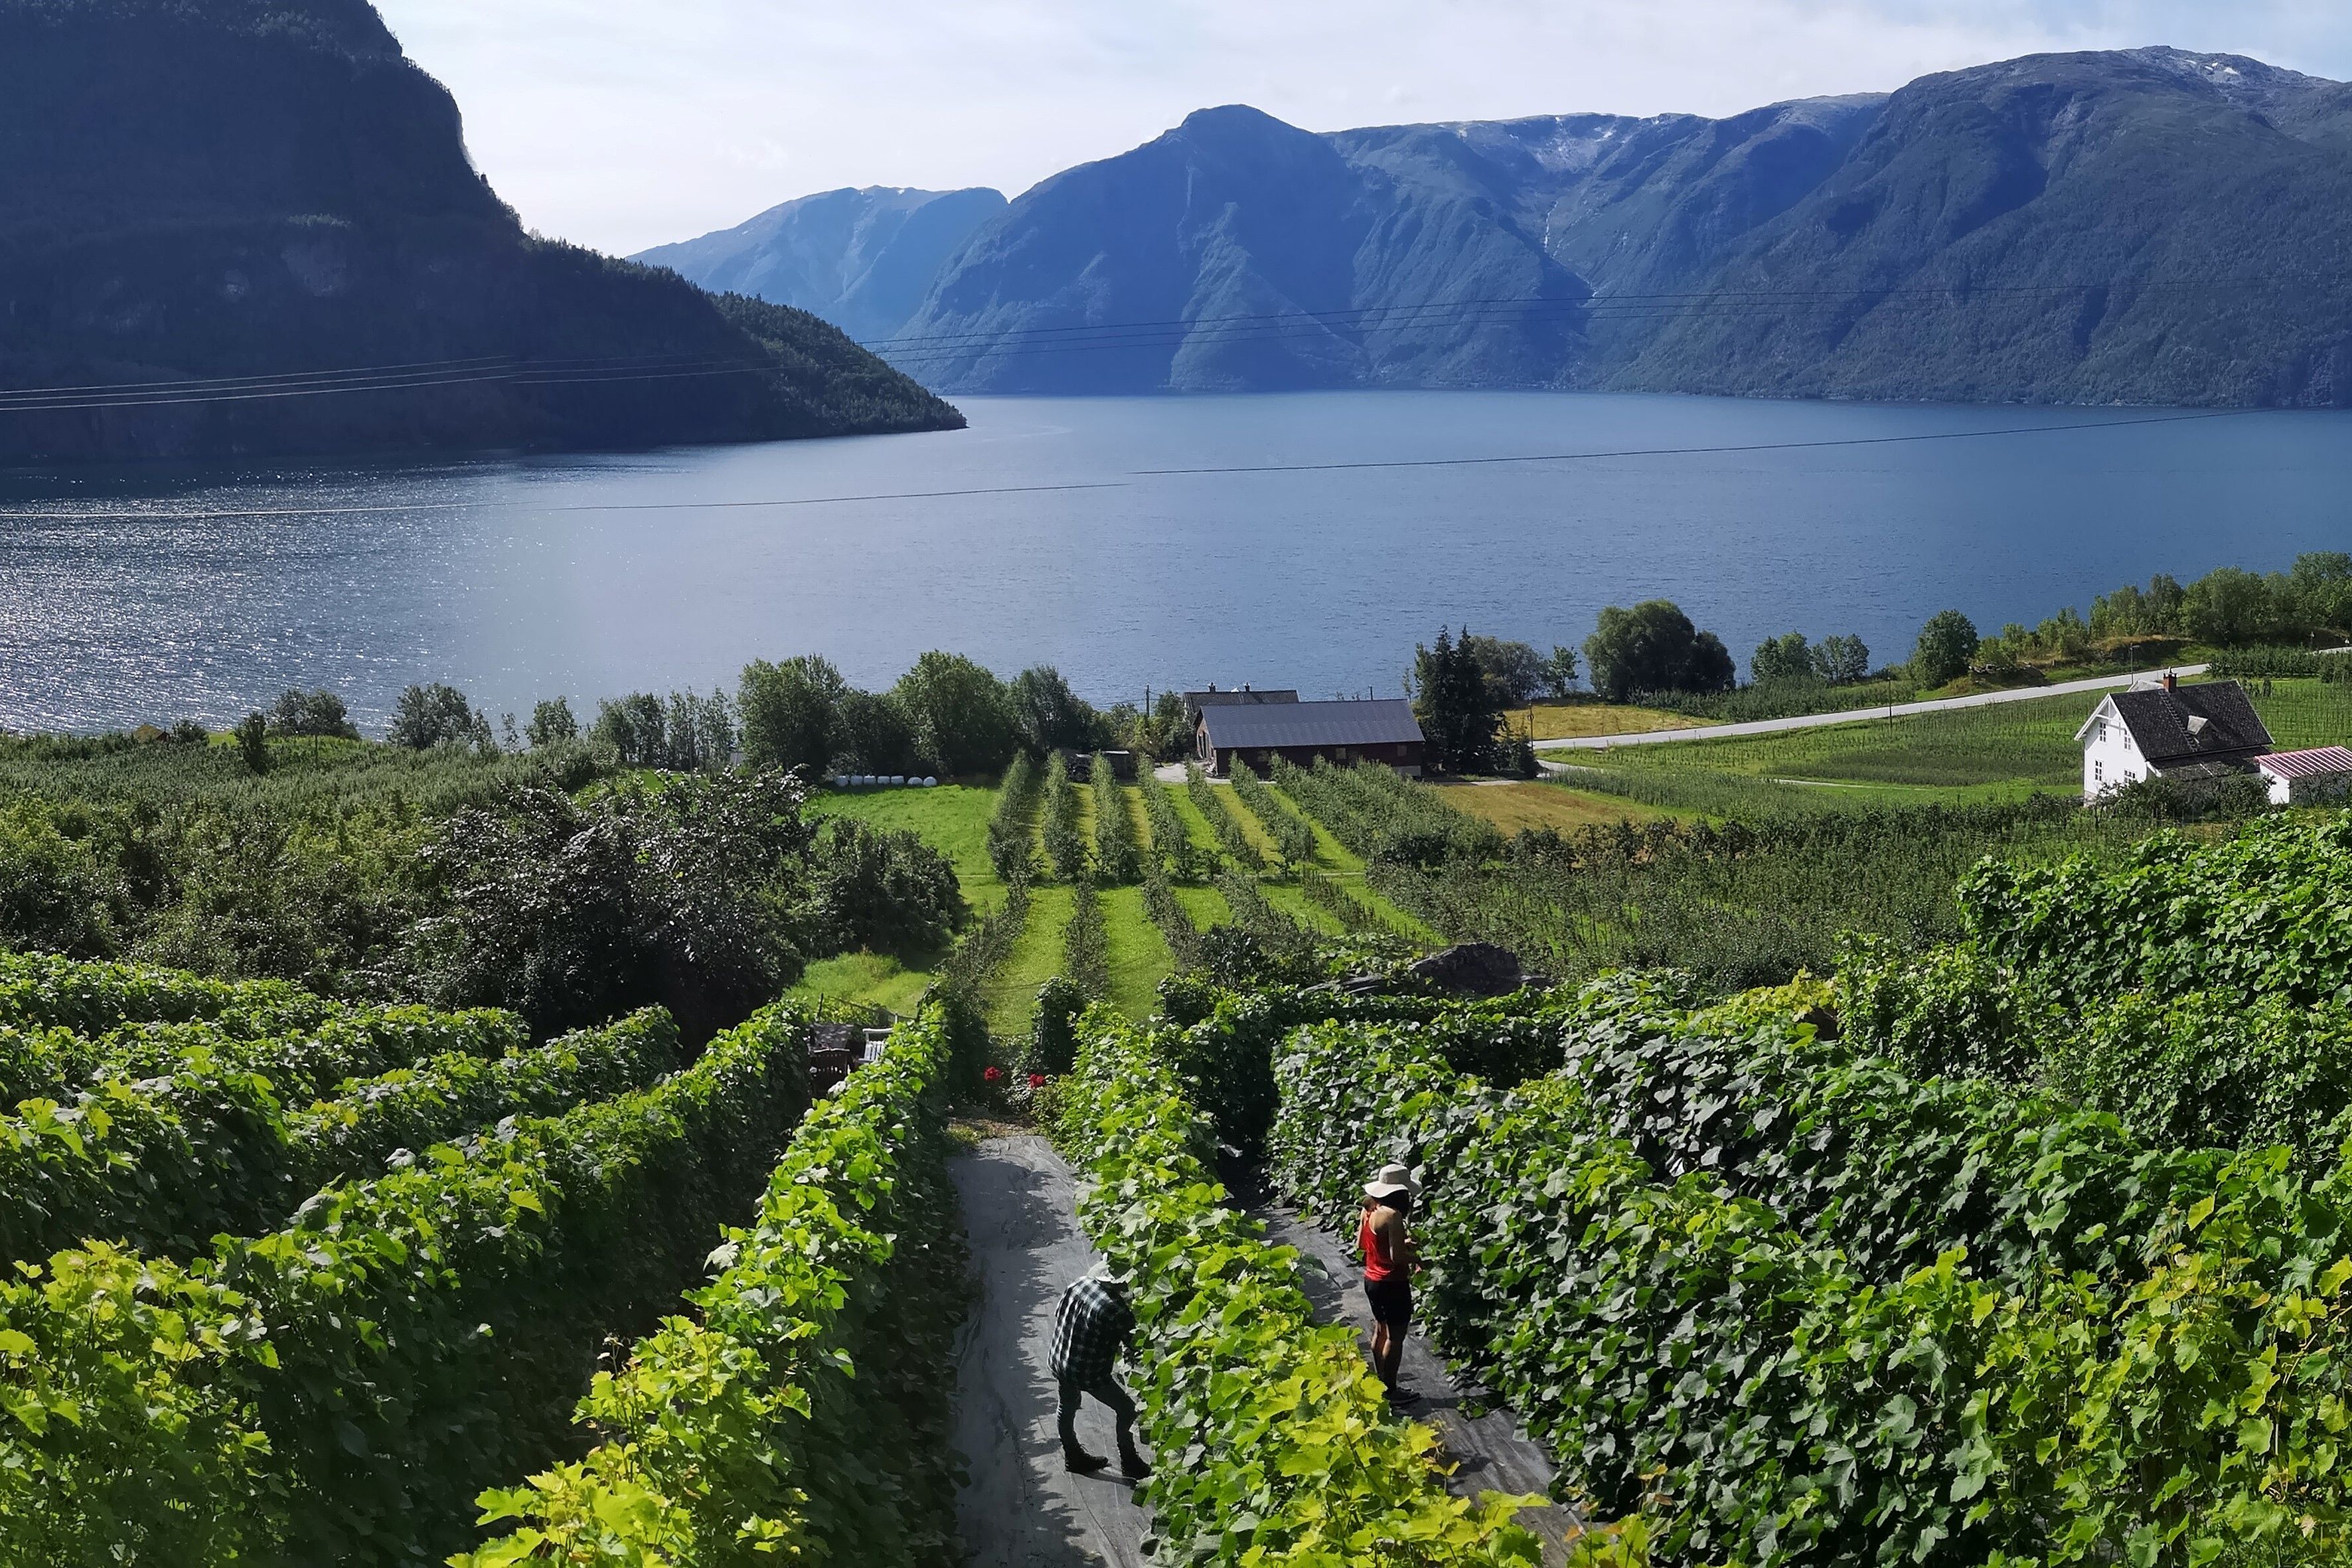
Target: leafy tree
x,y
1514,669
1560,671
2130,612
962,716
1654,648
312,713
2321,582
873,733
2230,605
1842,661
1459,708
435,715
1778,660
551,723
1164,732
791,711
1050,716
686,733
1947,643
635,729
253,741
694,895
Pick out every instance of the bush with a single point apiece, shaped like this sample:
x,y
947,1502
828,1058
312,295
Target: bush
x,y
1052,1034
1116,859
1947,644
1946,1012
805,1410
1065,846
319,713
881,891
1009,828
687,895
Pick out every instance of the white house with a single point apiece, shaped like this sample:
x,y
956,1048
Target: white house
x,y
2169,730
2308,778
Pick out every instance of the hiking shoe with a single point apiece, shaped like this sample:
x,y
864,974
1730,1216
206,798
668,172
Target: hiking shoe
x,y
1132,1465
1078,1462
1404,1398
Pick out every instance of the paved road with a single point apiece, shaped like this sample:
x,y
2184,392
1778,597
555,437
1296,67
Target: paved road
x,y
1488,1450
1856,716
1019,1508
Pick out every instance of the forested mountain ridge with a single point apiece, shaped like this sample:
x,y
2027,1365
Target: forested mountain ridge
x,y
2146,225
862,260
203,207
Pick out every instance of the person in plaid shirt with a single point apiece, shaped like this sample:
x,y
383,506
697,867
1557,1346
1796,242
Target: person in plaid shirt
x,y
1091,1328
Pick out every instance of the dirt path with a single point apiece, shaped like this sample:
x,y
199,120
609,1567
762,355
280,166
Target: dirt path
x,y
1488,1450
1019,1508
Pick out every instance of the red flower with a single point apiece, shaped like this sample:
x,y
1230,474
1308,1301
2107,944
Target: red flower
x,y
1036,1080
993,1075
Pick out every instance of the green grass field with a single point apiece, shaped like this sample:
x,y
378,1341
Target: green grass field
x,y
1973,755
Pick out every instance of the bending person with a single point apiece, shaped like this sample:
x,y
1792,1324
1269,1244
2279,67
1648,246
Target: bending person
x,y
1092,1328
1385,1238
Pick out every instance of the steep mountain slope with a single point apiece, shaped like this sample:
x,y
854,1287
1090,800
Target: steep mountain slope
x,y
2151,226
264,190
862,260
2146,225
1237,251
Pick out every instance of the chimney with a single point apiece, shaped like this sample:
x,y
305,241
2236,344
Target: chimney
x,y
2171,681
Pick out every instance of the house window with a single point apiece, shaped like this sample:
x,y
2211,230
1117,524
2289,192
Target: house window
x,y
2098,772
2103,730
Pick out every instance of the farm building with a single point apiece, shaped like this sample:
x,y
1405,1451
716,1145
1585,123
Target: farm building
x,y
2322,774
2170,730
1340,733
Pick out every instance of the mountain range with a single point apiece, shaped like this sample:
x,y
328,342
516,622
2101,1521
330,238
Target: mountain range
x,y
2146,225
251,226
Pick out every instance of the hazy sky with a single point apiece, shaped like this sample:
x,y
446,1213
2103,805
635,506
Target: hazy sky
x,y
623,123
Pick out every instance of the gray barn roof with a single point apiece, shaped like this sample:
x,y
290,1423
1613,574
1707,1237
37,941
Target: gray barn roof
x,y
2160,728
1376,723
1239,696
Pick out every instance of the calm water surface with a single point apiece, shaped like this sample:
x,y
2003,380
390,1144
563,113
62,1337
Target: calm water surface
x,y
139,594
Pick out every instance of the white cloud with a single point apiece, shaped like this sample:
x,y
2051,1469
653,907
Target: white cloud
x,y
623,123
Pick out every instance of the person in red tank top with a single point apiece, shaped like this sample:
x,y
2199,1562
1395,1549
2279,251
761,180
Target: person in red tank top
x,y
1384,1236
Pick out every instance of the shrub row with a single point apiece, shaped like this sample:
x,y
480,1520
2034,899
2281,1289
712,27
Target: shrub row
x,y
1217,811
1171,842
1293,839
334,1392
1065,846
1167,913
1009,830
165,1163
1273,1442
2258,915
1118,861
1086,950
1382,816
1352,913
803,1411
1696,1357
38,990
2199,1068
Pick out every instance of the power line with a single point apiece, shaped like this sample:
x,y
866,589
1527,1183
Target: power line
x,y
155,515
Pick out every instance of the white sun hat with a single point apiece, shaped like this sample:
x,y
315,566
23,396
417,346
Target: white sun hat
x,y
1392,1179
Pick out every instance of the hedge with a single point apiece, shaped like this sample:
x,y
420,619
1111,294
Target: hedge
x,y
1695,1357
804,1409
2263,914
163,1164
1273,1442
40,990
334,1392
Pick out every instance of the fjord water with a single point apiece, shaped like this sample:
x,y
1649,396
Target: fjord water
x,y
1080,532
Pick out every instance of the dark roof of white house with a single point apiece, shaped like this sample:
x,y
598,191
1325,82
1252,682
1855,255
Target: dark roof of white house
x,y
2163,723
1384,722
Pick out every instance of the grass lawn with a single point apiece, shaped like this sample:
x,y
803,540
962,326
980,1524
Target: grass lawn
x,y
952,818
1138,958
1515,806
869,979
1574,721
1972,755
1036,958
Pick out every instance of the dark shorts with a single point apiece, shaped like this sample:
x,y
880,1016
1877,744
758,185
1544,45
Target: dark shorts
x,y
1391,1301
